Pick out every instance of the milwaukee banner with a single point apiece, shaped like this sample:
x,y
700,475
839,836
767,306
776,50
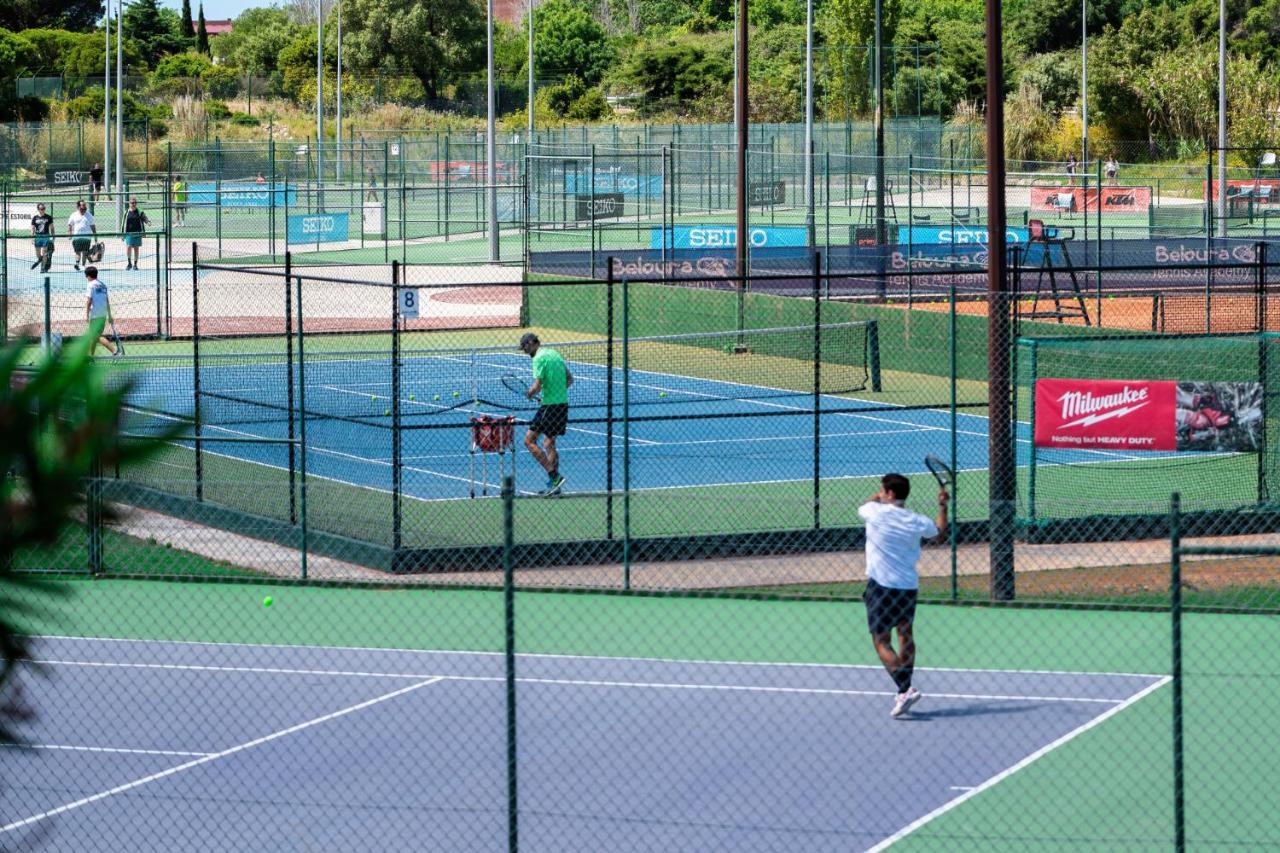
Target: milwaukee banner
x,y
1139,414
1106,414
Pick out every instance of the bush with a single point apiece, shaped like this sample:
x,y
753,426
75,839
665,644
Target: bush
x,y
220,82
244,120
216,110
591,106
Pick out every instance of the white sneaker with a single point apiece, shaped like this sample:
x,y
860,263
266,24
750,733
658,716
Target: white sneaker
x,y
902,704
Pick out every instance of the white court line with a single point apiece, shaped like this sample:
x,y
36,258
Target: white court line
x,y
137,783
560,656
114,750
1009,771
571,682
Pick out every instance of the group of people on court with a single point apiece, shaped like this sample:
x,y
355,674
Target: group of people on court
x,y
894,533
83,229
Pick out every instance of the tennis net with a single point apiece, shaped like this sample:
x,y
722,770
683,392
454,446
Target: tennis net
x,y
696,370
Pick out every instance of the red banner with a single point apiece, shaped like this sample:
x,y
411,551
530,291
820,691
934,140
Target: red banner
x,y
1259,191
1106,414
1077,199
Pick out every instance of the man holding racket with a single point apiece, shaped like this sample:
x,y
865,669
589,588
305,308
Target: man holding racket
x,y
97,308
894,534
551,378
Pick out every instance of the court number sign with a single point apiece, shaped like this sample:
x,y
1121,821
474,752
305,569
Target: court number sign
x,y
409,303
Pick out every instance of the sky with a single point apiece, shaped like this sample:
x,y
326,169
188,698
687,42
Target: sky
x,y
216,9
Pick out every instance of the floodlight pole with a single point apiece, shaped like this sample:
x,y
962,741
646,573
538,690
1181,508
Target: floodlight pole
x,y
320,96
882,236
1084,86
529,66
1222,116
1000,464
808,120
742,120
337,165
119,110
491,153
106,104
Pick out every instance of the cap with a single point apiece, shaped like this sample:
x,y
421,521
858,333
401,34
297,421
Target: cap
x,y
527,339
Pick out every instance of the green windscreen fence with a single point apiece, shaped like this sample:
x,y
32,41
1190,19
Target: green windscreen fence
x,y
1148,415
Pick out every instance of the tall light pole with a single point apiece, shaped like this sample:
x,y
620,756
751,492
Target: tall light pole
x,y
882,236
529,66
338,163
741,113
1084,86
320,95
1222,115
106,104
119,109
491,152
808,119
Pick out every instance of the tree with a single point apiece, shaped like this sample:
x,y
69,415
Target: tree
x,y
566,39
157,31
75,15
202,34
849,30
255,42
430,39
188,29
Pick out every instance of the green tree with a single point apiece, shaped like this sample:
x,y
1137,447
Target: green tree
x,y
188,28
430,39
75,15
567,40
255,42
202,34
677,72
848,27
157,31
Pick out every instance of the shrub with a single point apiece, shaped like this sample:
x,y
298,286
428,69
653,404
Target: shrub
x,y
216,110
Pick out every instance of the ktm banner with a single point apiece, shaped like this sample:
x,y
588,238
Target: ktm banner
x,y
1117,414
1113,199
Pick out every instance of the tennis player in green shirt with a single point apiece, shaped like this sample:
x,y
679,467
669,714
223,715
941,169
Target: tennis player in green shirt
x,y
551,378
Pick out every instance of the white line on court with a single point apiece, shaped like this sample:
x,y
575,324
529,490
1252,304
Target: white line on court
x,y
568,682
137,783
114,750
1009,771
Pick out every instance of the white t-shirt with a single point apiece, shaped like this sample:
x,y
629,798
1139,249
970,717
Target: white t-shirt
x,y
894,534
97,295
81,224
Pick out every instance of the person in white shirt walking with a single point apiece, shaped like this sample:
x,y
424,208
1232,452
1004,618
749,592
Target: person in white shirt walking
x,y
82,230
97,309
894,535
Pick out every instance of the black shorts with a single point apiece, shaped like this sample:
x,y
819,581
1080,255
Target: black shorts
x,y
888,607
81,244
550,420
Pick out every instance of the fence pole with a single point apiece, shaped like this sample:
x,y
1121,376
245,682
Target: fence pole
x,y
817,389
955,462
1175,616
626,432
608,400
302,425
396,487
195,365
509,625
289,389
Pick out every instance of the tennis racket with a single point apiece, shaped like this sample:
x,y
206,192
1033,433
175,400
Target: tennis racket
x,y
941,471
516,385
116,336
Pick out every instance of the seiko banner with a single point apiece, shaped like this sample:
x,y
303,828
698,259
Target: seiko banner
x,y
766,193
1136,415
318,228
67,177
600,206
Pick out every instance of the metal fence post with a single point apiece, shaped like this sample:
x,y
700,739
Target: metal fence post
x,y
1175,618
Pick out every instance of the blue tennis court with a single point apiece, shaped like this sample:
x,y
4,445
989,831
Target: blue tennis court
x,y
683,431
153,745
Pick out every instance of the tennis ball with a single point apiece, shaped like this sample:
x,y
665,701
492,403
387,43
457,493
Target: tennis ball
x,y
411,397
437,397
662,393
455,393
386,412
268,601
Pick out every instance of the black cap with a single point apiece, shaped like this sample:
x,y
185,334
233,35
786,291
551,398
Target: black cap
x,y
527,340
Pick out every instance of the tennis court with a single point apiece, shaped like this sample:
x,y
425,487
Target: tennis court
x,y
122,755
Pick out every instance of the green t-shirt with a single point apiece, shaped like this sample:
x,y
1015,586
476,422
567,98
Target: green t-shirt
x,y
548,366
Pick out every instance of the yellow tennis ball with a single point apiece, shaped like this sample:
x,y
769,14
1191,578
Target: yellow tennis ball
x,y
455,393
411,397
268,601
437,397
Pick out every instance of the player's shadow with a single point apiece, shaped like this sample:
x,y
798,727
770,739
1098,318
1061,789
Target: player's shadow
x,y
973,709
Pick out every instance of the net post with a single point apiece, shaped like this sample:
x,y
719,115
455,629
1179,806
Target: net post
x,y
608,398
396,518
160,314
509,631
195,366
302,428
817,390
873,353
289,389
1175,618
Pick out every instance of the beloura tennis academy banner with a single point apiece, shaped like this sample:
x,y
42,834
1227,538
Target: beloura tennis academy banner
x,y
1117,414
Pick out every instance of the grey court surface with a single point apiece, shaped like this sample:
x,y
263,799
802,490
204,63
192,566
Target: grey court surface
x,y
162,746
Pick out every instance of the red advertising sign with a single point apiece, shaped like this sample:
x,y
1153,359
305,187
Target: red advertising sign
x,y
1077,199
1106,414
1253,189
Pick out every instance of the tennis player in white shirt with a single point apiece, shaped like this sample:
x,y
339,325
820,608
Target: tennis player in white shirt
x,y
97,307
894,535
